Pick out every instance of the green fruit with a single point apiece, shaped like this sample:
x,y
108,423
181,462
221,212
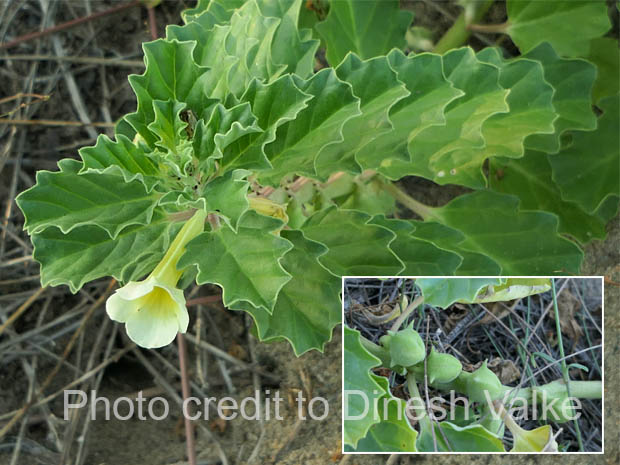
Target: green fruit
x,y
484,380
441,367
406,347
385,340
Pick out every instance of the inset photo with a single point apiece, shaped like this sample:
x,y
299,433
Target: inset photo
x,y
478,365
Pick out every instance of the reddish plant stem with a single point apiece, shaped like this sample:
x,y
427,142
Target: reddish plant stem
x,y
209,299
299,183
152,22
189,427
19,95
67,25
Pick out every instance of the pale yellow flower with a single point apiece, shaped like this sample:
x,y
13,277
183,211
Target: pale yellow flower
x,y
154,310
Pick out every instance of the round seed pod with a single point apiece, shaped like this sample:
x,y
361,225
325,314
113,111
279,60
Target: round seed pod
x,y
441,367
406,347
483,380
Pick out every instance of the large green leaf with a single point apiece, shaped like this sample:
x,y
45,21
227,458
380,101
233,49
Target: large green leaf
x,y
250,39
375,84
429,93
530,112
529,178
88,252
168,126
443,292
432,150
355,247
245,264
225,126
219,11
530,103
273,105
243,40
361,390
567,24
69,200
308,306
419,256
171,74
294,48
235,43
393,433
449,239
451,438
267,39
120,156
587,170
521,242
319,124
227,196
368,29
209,52
572,81
605,55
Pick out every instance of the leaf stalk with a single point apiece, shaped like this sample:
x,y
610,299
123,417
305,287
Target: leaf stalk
x,y
423,211
460,31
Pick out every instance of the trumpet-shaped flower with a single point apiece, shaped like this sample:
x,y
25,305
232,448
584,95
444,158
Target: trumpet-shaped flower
x,y
154,310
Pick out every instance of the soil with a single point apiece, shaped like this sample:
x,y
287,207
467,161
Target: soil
x,y
106,95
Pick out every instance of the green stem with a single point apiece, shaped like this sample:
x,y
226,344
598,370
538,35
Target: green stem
x,y
376,350
414,393
557,388
512,425
558,330
458,34
423,211
586,389
488,28
403,316
578,389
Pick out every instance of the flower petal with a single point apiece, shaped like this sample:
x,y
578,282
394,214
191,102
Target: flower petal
x,y
136,289
182,314
120,309
156,323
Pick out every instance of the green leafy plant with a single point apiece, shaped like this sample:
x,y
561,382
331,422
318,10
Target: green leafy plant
x,y
375,420
294,164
